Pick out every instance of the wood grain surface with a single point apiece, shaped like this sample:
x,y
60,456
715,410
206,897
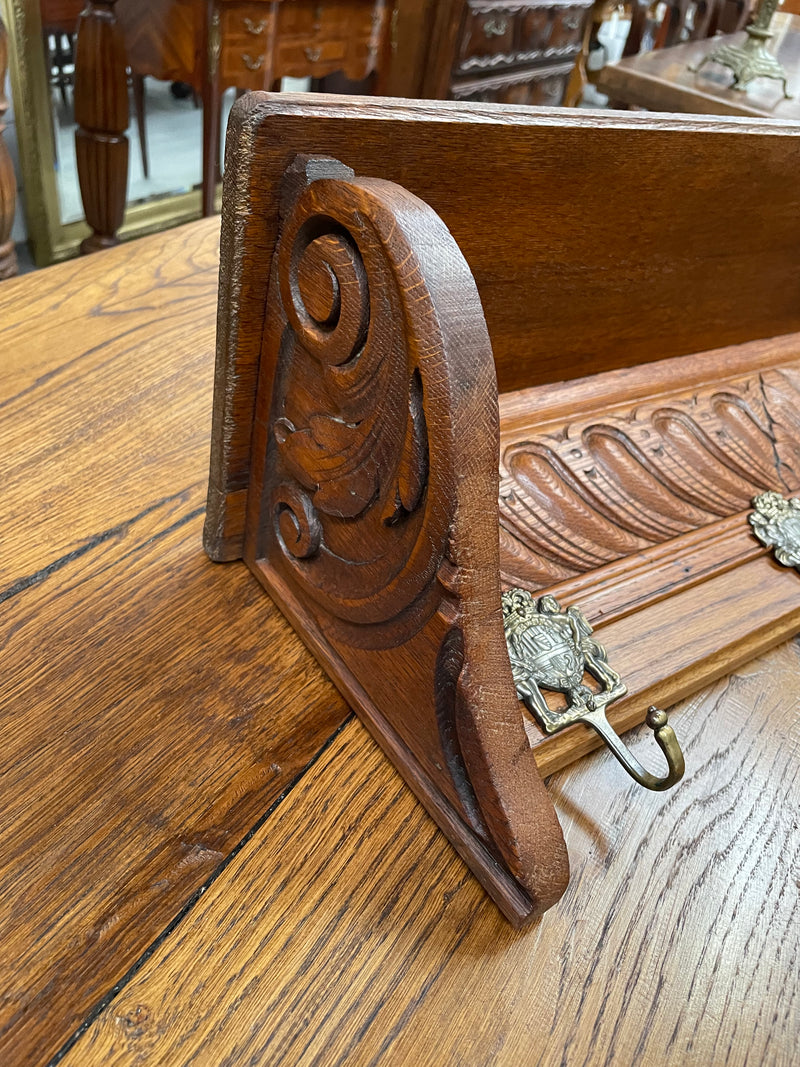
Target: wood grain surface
x,y
154,705
345,932
199,864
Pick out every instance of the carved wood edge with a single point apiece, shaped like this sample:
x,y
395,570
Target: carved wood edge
x,y
374,457
237,346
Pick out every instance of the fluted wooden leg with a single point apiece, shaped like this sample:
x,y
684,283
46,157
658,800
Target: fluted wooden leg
x,y
8,183
101,112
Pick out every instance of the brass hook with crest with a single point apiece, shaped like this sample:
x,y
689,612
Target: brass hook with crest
x,y
553,649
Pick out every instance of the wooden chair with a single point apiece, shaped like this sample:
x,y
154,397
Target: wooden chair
x,y
681,20
467,349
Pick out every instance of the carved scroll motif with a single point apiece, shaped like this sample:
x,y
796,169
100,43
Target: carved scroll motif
x,y
602,488
357,521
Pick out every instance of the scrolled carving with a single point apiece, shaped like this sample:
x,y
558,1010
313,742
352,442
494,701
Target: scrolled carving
x,y
351,503
605,486
371,516
296,521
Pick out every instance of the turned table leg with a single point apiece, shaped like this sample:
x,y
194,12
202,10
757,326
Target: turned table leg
x,y
101,112
8,182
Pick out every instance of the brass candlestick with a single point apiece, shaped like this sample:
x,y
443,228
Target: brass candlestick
x,y
751,59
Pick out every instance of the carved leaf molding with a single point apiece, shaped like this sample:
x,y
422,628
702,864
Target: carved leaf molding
x,y
581,495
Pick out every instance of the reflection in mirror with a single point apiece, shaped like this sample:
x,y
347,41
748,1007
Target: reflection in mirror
x,y
149,155
166,122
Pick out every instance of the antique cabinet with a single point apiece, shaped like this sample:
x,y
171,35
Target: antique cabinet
x,y
517,52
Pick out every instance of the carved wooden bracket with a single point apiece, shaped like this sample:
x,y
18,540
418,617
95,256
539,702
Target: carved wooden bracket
x,y
372,514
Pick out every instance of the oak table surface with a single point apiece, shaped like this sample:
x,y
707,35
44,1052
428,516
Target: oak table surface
x,y
662,81
205,859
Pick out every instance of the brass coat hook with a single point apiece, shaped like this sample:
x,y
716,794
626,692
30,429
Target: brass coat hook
x,y
553,649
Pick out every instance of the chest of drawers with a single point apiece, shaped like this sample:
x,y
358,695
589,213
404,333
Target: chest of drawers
x,y
517,52
258,43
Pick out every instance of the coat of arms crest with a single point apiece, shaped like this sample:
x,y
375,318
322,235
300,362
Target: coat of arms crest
x,y
553,649
776,523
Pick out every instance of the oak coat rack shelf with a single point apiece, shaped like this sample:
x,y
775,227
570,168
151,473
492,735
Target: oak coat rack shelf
x,y
462,349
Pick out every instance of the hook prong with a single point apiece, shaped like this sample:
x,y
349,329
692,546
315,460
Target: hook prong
x,y
666,740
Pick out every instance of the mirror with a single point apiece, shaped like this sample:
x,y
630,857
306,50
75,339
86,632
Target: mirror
x,y
165,72
165,129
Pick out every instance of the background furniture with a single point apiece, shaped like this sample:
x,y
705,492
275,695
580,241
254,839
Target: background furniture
x,y
512,52
8,181
203,852
211,45
662,81
654,26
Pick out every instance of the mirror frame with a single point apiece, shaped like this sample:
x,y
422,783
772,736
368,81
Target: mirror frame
x,y
51,239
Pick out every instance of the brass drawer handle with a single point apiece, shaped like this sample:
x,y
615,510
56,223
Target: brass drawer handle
x,y
495,27
553,649
312,54
252,27
252,64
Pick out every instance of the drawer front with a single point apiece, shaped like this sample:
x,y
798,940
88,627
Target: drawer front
x,y
298,59
555,30
247,41
302,18
488,36
314,39
547,89
299,38
252,24
544,87
245,67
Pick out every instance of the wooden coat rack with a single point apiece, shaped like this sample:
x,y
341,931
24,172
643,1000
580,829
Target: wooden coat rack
x,y
386,474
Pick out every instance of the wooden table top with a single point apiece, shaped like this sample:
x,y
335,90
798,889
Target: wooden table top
x,y
662,81
204,858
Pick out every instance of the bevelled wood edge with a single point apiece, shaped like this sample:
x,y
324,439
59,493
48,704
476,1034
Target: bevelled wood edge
x,y
333,106
243,273
567,400
374,474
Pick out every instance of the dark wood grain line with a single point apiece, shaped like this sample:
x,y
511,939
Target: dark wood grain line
x,y
121,528
117,988
70,364
680,912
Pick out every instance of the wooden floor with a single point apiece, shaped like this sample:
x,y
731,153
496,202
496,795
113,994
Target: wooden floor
x,y
205,859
